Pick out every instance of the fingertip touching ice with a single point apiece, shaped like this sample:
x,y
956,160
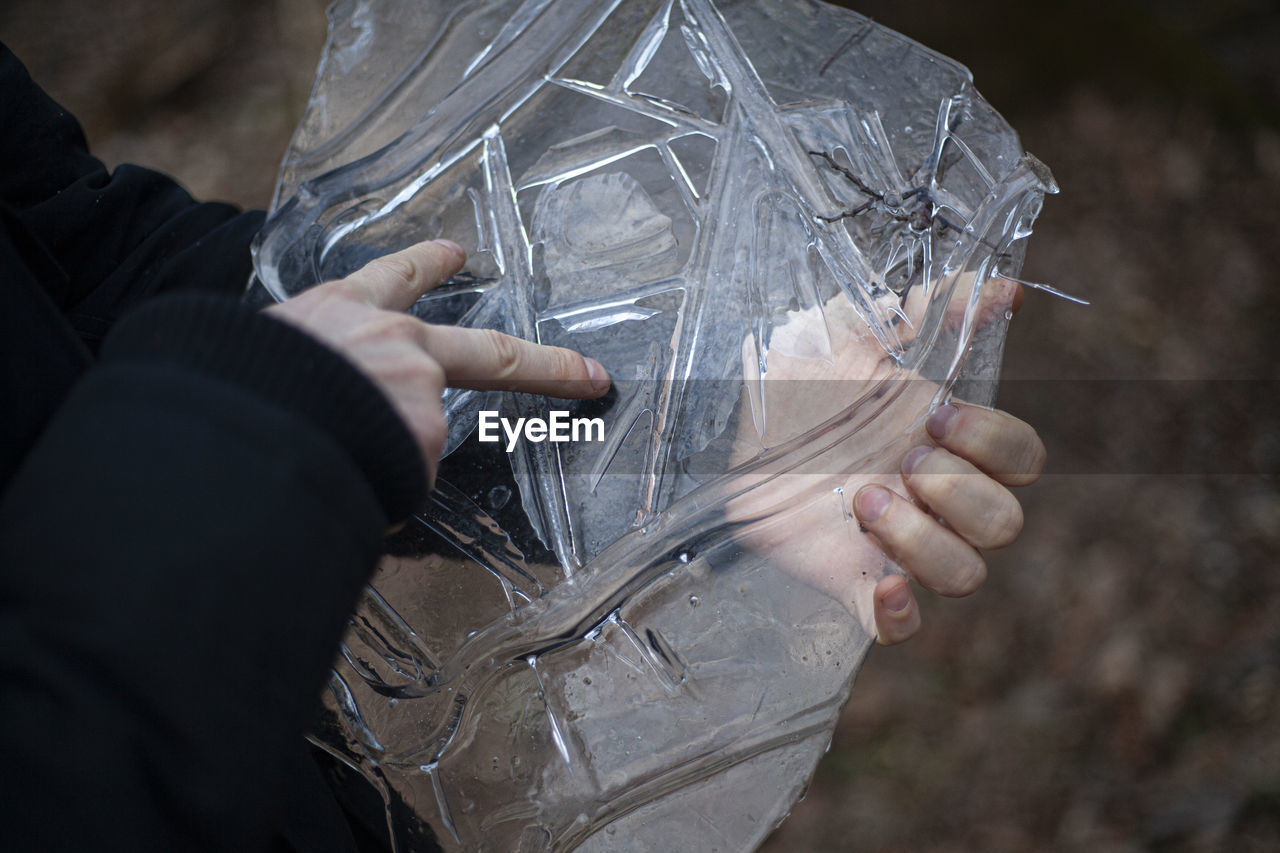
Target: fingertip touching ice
x,y
788,233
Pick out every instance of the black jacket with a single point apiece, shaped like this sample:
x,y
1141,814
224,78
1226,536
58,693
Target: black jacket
x,y
191,496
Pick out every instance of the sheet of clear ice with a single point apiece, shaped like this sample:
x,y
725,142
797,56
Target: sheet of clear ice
x,y
621,644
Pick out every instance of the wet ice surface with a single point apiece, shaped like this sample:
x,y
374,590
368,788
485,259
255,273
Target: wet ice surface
x,y
708,199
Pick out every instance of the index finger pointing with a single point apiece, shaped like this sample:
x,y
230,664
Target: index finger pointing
x,y
487,360
397,280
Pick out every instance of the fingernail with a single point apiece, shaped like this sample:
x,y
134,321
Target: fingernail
x,y
599,376
912,459
451,246
940,421
872,501
897,601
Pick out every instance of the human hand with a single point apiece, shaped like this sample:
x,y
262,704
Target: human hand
x,y
947,499
362,317
952,502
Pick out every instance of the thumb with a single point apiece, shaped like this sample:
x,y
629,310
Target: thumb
x,y
397,280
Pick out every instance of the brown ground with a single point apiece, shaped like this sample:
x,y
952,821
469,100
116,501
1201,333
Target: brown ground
x,y
1116,684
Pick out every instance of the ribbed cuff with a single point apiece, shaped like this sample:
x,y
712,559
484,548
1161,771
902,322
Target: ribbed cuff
x,y
219,338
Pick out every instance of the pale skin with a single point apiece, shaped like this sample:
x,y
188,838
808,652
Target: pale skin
x,y
949,501
363,317
960,478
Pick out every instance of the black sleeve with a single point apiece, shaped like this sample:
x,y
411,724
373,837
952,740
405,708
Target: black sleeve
x,y
120,237
179,553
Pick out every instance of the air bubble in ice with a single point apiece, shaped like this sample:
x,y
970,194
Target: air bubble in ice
x,y
498,497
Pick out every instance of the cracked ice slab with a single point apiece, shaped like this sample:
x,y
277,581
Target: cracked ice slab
x,y
707,198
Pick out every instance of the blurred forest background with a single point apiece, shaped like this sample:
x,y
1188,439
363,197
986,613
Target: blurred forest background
x,y
1116,684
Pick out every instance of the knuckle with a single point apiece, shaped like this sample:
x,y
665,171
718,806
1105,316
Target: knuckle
x,y
391,333
400,325
399,269
571,365
941,491
338,288
1026,454
506,353
1036,457
413,374
432,375
967,577
1003,525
